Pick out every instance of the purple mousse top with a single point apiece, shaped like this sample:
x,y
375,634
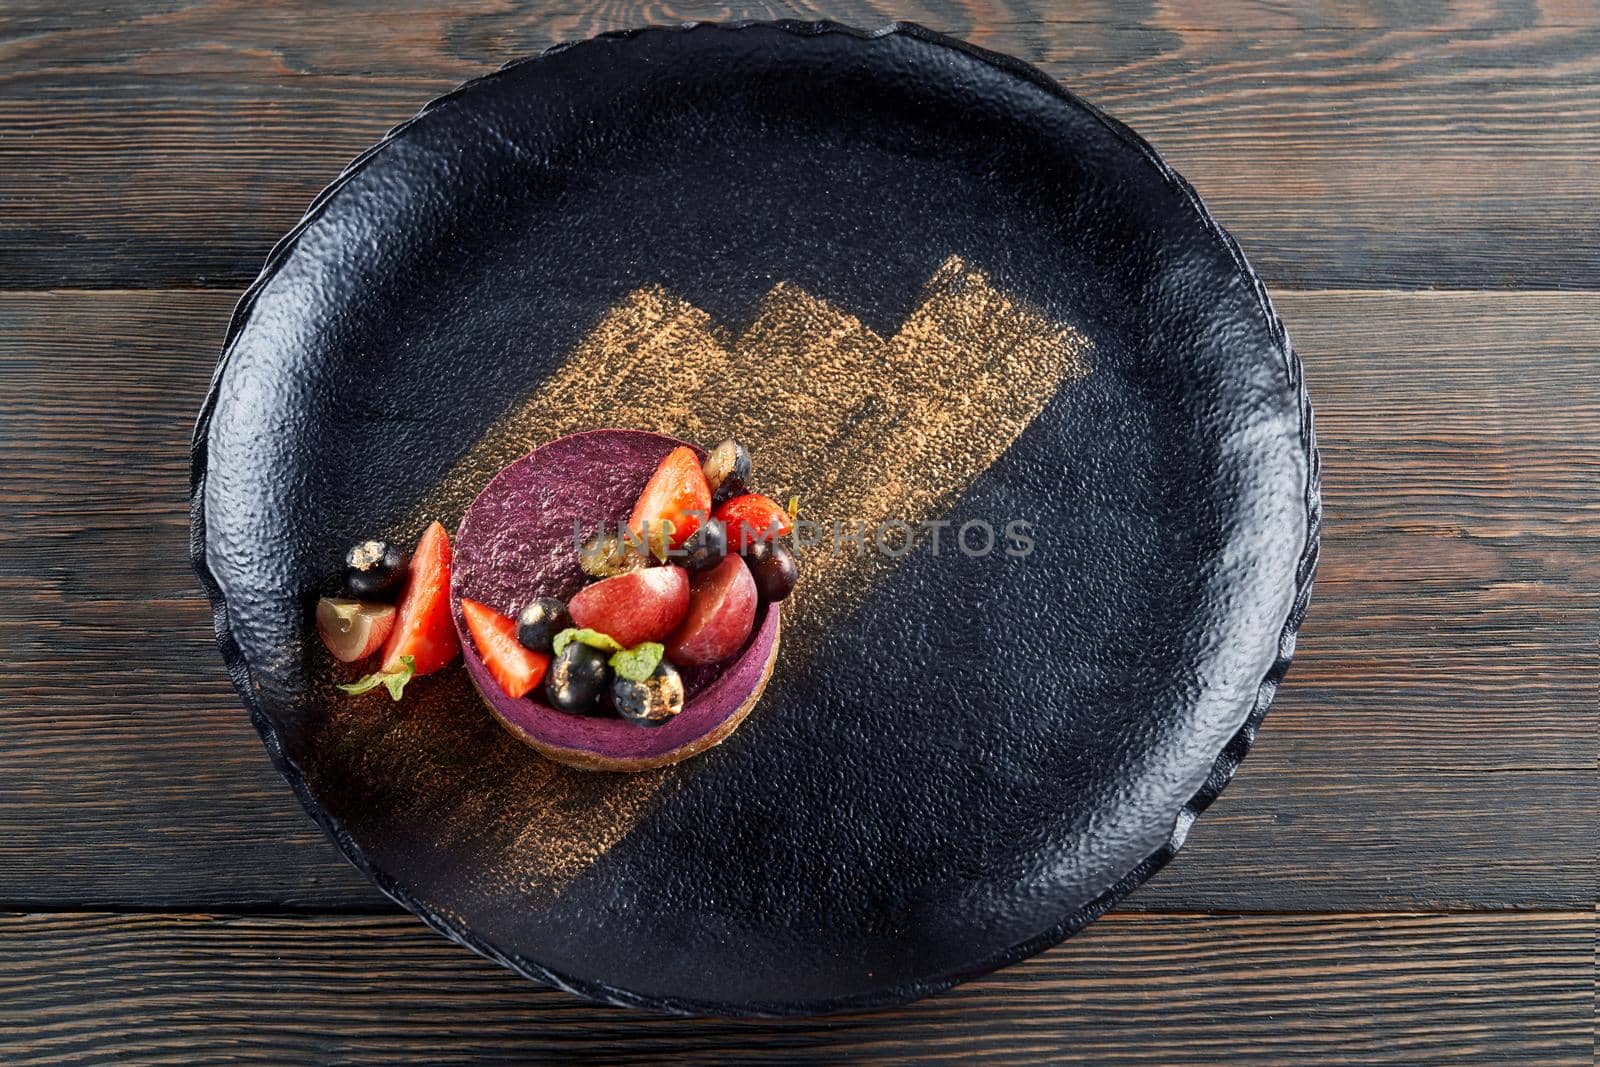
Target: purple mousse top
x,y
517,542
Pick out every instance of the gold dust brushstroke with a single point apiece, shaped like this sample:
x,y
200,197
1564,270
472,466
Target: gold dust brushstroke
x,y
860,426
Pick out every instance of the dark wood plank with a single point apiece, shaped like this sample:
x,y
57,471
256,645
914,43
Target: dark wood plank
x,y
164,989
1433,748
153,24
1361,144
98,397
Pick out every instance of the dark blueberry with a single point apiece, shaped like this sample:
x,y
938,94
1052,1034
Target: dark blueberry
x,y
727,469
653,701
774,568
607,555
375,570
706,547
540,621
578,680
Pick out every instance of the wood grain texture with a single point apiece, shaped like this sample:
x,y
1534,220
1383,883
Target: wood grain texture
x,y
1433,747
1179,989
1354,144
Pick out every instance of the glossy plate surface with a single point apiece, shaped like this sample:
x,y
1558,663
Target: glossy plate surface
x,y
936,295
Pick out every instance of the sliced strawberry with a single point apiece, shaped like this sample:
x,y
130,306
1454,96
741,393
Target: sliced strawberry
x,y
517,669
351,629
677,493
646,605
753,517
424,630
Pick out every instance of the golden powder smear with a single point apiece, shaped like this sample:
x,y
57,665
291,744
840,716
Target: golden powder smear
x,y
861,427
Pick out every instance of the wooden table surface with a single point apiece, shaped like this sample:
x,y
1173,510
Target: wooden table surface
x,y
1404,868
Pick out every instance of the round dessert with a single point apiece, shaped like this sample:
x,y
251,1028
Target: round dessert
x,y
519,542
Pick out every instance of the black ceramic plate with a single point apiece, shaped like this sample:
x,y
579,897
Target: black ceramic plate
x,y
926,285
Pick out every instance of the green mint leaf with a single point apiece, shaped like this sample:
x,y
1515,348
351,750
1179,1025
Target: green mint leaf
x,y
394,681
593,638
639,662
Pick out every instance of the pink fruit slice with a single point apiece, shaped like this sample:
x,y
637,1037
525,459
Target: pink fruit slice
x,y
722,611
645,605
351,629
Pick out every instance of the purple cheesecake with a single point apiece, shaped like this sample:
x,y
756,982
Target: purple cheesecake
x,y
516,542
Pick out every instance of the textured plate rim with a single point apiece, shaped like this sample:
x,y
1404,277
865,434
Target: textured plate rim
x,y
1227,761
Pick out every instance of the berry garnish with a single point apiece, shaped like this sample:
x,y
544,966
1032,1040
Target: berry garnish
x,y
423,629
540,621
774,567
423,638
706,548
727,469
652,700
375,570
753,517
578,679
516,668
676,494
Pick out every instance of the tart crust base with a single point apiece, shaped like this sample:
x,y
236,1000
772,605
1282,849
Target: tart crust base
x,y
583,759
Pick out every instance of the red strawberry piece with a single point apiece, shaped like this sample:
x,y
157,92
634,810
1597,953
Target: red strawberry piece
x,y
424,630
753,517
677,493
516,668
